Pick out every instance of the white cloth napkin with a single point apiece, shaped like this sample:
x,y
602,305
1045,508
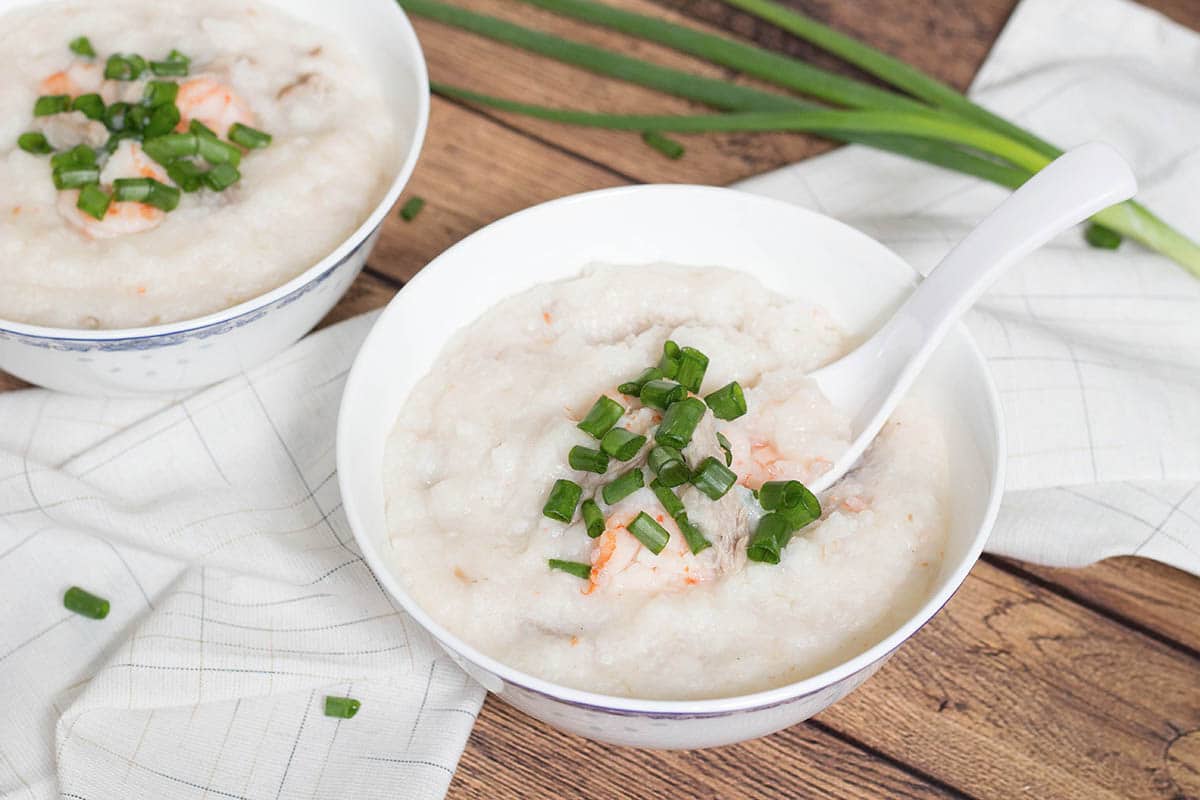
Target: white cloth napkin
x,y
213,523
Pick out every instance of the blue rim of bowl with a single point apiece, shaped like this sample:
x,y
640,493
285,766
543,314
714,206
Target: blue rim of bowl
x,y
615,705
256,307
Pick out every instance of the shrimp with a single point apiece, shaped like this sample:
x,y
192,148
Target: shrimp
x,y
213,103
79,78
621,561
123,218
758,460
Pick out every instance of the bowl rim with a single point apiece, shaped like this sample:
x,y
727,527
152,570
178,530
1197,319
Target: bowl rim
x,y
615,704
409,43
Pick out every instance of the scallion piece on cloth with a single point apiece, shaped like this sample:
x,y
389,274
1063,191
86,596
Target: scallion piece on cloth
x,y
792,500
1099,236
93,201
586,459
634,387
247,137
667,498
49,104
148,191
82,46
162,121
169,69
622,486
75,177
85,603
412,207
660,393
669,363
652,535
564,496
664,144
668,464
221,177
728,402
769,538
679,423
186,174
726,448
165,149
34,142
713,478
603,414
695,539
692,366
593,518
90,105
341,707
78,156
214,151
622,444
576,568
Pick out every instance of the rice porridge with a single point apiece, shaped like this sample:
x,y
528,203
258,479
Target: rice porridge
x,y
658,585
164,160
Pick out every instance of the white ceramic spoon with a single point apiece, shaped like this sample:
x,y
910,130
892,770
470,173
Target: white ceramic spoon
x,y
869,382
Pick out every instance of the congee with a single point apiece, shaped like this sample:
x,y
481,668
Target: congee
x,y
161,159
601,480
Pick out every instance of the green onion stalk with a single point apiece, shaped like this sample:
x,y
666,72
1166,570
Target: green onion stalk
x,y
930,122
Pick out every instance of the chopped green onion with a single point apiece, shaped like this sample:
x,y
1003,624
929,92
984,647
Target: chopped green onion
x,y
669,363
667,498
165,149
341,707
649,532
713,478
221,177
90,105
135,118
792,500
576,568
186,174
176,57
114,116
1098,235
159,93
124,68
78,156
603,415
769,538
593,518
692,366
148,191
728,402
661,394
93,201
726,448
623,486
412,207
169,69
214,151
162,121
85,603
34,142
564,496
586,459
49,104
115,140
622,444
73,177
82,46
247,137
668,464
200,129
679,423
695,539
663,144
634,387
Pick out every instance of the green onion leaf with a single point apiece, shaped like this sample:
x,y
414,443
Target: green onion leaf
x,y
668,464
221,177
165,149
34,142
728,402
186,174
82,46
169,69
176,57
623,486
586,459
669,363
634,387
75,177
769,538
713,478
564,496
603,415
124,67
90,105
214,151
78,156
341,707
576,568
661,393
792,500
726,448
593,518
162,121
148,191
692,366
93,201
667,498
664,144
200,129
1099,236
695,539
159,93
679,423
85,603
247,137
412,207
622,444
652,535
49,104
135,118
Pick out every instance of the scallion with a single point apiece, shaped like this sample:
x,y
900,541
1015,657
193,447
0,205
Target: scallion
x,y
679,423
624,485
34,142
576,568
412,207
200,129
713,478
769,538
341,707
159,93
214,151
221,177
726,448
136,117
692,366
586,459
668,464
73,177
85,603
603,414
49,104
124,68
114,116
162,121
169,69
667,498
662,393
91,105
792,500
622,444
165,149
186,174
78,156
664,144
695,539
247,137
148,191
1099,236
593,518
669,363
728,402
634,387
82,46
564,496
647,531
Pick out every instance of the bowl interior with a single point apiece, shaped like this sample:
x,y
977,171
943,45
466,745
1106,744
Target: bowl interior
x,y
789,249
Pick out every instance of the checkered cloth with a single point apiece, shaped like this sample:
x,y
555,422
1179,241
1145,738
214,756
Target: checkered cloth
x,y
213,523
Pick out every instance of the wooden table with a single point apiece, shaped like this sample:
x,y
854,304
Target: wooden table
x,y
1032,682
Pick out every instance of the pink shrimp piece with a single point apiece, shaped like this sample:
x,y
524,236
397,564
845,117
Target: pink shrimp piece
x,y
212,103
79,78
123,218
620,560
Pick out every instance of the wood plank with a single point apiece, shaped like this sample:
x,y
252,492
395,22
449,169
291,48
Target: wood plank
x,y
1013,690
513,755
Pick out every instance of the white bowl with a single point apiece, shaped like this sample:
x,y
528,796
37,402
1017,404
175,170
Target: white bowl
x,y
791,250
197,352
